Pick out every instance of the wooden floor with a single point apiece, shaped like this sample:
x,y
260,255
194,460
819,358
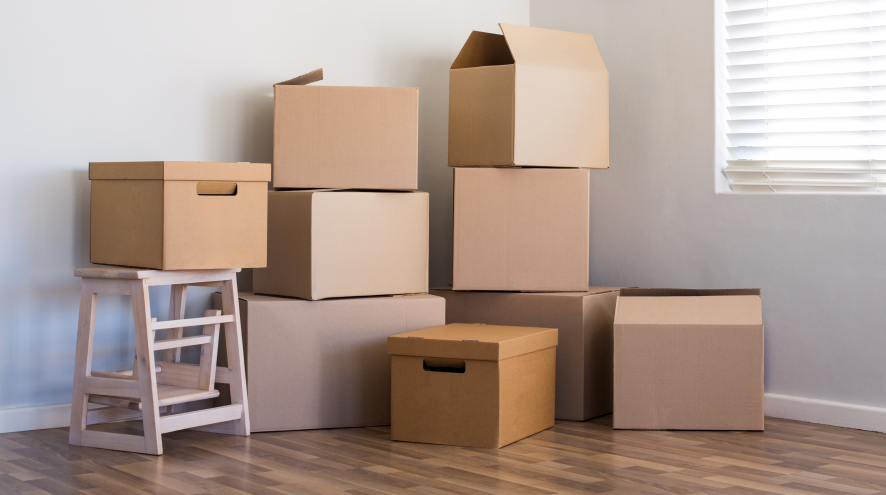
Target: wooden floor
x,y
789,458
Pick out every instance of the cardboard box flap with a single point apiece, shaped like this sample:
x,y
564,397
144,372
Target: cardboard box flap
x,y
665,307
472,341
483,49
550,48
209,171
304,79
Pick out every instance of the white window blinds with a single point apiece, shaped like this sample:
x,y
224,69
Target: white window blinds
x,y
802,95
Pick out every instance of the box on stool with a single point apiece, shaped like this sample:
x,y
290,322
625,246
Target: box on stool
x,y
472,385
584,332
688,360
333,243
179,215
322,364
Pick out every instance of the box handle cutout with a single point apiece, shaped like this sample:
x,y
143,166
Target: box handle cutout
x,y
444,365
216,188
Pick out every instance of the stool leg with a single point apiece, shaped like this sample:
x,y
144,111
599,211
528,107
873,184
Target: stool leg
x,y
177,296
209,354
147,379
234,341
82,361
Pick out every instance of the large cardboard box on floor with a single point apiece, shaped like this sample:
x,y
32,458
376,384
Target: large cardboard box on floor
x,y
344,137
533,97
179,215
330,243
521,229
323,364
688,360
584,326
472,385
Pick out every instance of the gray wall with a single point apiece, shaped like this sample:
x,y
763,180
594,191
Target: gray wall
x,y
102,80
657,222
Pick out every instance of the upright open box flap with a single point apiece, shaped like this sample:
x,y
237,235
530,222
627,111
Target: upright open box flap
x,y
304,79
689,307
549,48
472,341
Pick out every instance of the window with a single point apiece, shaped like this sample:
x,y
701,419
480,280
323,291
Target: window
x,y
801,96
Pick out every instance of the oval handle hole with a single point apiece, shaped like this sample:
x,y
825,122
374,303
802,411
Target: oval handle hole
x,y
444,365
217,188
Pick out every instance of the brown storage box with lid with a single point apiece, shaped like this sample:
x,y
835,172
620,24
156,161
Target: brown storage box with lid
x,y
531,97
472,385
521,229
688,360
584,332
179,215
344,137
322,364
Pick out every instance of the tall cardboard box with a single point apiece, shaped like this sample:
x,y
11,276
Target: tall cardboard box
x,y
688,360
584,325
344,137
521,229
179,215
322,364
532,97
329,243
472,385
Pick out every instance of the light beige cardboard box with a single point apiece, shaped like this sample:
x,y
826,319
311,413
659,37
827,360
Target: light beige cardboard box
x,y
323,364
532,97
584,324
333,243
344,137
688,360
472,385
521,229
179,215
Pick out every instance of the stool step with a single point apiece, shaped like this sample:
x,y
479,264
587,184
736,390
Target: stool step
x,y
182,342
191,322
167,395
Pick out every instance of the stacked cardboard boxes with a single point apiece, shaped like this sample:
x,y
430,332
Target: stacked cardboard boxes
x,y
528,120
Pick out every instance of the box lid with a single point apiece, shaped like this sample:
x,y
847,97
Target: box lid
x,y
550,48
472,341
590,292
236,172
689,307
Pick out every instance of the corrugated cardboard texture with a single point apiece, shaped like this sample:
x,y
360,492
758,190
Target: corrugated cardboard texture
x,y
688,362
532,97
322,364
345,137
485,403
326,244
584,332
471,341
521,229
177,224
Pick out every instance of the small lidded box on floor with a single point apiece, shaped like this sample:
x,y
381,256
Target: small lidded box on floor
x,y
472,385
179,215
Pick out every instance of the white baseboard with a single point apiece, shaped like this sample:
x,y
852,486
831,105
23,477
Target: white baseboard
x,y
826,412
778,406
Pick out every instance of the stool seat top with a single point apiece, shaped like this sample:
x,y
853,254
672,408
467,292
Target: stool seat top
x,y
128,273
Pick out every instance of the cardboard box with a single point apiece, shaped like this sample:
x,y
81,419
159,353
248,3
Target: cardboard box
x,y
322,364
521,229
179,215
329,243
533,97
688,360
344,137
472,385
584,324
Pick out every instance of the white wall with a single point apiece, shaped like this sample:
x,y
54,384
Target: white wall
x,y
171,80
656,221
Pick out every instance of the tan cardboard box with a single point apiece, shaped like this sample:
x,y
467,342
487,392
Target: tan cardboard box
x,y
533,97
322,364
472,385
344,137
521,229
179,215
326,243
584,324
688,360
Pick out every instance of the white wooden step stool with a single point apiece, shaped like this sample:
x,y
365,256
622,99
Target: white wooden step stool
x,y
150,389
